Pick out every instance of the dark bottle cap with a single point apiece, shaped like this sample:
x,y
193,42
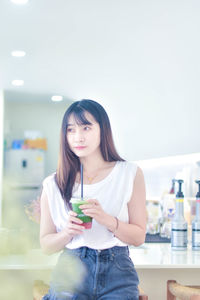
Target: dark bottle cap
x,y
198,193
180,193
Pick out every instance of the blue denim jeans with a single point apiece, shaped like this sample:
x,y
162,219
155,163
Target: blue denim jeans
x,y
110,275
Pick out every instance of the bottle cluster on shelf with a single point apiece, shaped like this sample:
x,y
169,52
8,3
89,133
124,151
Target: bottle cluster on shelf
x,y
168,222
176,224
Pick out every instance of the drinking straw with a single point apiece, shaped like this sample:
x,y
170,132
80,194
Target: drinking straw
x,y
81,181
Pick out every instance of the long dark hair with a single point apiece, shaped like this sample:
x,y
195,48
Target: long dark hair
x,y
68,162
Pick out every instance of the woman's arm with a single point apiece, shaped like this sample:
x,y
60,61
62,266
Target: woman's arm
x,y
134,232
50,240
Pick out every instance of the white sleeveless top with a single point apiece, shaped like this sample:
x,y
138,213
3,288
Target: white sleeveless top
x,y
113,193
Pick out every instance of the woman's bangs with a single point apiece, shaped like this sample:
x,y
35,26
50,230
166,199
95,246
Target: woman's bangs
x,y
80,118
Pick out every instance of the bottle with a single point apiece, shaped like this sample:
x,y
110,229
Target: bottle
x,y
172,190
196,222
179,224
166,226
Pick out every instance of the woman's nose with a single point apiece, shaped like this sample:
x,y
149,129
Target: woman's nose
x,y
79,137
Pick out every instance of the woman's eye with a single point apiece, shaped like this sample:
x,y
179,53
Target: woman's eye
x,y
86,128
69,129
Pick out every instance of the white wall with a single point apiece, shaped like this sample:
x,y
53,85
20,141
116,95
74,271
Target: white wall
x,y
44,117
1,149
154,125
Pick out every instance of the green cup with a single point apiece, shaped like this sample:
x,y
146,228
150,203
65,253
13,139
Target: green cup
x,y
76,202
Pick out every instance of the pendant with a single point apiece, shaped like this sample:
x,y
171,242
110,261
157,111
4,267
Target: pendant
x,y
90,179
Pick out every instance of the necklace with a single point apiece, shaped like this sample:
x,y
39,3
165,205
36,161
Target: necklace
x,y
91,178
101,171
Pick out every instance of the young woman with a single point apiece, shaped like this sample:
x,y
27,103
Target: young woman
x,y
116,193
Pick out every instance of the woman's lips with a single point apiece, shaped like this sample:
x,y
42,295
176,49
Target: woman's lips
x,y
80,147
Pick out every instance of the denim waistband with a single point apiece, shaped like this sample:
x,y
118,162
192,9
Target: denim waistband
x,y
84,251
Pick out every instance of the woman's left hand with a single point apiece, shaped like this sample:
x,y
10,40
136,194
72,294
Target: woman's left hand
x,y
94,210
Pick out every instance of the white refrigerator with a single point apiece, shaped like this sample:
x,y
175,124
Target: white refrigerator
x,y
23,175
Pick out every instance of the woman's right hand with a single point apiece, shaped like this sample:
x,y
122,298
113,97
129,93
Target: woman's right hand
x,y
52,241
74,225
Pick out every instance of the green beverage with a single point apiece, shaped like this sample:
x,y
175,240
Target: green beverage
x,y
87,221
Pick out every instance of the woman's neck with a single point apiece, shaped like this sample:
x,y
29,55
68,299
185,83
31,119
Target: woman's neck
x,y
91,164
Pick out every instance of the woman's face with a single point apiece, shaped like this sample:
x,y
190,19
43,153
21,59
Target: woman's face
x,y
83,140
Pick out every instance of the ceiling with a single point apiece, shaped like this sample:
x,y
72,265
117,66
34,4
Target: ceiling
x,y
74,48
104,50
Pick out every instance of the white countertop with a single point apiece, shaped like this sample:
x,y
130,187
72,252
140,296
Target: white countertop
x,y
160,256
147,256
34,260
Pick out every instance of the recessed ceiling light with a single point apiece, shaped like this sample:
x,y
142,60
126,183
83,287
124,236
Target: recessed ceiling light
x,y
18,82
18,53
19,1
57,98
